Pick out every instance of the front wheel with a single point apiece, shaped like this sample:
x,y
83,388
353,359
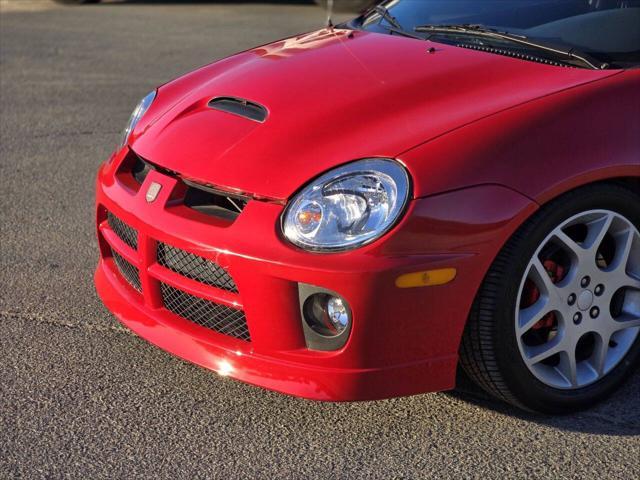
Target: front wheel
x,y
555,326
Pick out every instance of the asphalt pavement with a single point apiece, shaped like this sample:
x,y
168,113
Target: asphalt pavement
x,y
81,397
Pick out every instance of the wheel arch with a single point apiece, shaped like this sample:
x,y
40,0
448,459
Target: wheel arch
x,y
500,275
631,182
527,212
627,175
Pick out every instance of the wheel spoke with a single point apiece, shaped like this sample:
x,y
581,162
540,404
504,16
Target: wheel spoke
x,y
629,281
568,367
623,322
597,232
542,352
528,317
543,281
599,356
624,242
569,243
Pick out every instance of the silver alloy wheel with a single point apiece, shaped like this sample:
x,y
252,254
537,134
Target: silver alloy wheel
x,y
578,306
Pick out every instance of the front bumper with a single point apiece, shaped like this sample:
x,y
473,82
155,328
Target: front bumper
x,y
402,341
310,377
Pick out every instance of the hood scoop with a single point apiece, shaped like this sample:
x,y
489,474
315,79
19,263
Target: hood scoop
x,y
241,107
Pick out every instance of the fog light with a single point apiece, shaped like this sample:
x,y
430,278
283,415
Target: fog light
x,y
326,314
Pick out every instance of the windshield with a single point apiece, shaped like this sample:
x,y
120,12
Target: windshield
x,y
608,30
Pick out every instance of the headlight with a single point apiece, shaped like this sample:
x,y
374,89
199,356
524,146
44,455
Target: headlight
x,y
137,114
347,207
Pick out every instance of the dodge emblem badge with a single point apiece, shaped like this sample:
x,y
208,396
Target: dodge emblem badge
x,y
152,192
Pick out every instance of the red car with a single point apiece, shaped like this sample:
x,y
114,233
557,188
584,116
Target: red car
x,y
369,210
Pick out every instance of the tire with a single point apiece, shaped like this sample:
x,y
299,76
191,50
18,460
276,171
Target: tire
x,y
505,362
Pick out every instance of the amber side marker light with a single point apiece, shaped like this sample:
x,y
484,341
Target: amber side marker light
x,y
427,278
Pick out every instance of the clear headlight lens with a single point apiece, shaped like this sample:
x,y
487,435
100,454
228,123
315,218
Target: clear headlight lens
x,y
347,207
137,114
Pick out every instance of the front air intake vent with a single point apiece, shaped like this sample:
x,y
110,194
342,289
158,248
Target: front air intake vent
x,y
205,313
240,107
127,234
195,267
130,273
197,196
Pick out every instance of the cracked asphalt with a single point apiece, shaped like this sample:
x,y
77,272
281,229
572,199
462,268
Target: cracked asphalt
x,y
82,397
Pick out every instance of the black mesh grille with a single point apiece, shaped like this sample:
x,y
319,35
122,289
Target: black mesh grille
x,y
220,318
195,267
126,233
128,271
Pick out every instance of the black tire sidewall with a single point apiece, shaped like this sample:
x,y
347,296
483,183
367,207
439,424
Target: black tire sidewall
x,y
521,382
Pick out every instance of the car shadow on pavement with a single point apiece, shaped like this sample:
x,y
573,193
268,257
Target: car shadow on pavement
x,y
617,415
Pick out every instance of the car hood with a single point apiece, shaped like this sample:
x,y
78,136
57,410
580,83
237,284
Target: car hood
x,y
331,96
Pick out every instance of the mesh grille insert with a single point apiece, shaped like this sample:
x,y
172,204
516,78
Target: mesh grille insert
x,y
126,233
220,318
195,267
128,271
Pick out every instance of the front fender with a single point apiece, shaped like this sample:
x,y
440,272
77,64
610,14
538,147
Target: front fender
x,y
469,225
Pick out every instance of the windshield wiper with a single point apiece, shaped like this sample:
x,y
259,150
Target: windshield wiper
x,y
396,26
485,32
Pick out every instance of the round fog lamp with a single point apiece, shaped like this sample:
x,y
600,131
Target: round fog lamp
x,y
326,314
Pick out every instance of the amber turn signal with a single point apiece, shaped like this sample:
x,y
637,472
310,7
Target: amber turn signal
x,y
426,278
